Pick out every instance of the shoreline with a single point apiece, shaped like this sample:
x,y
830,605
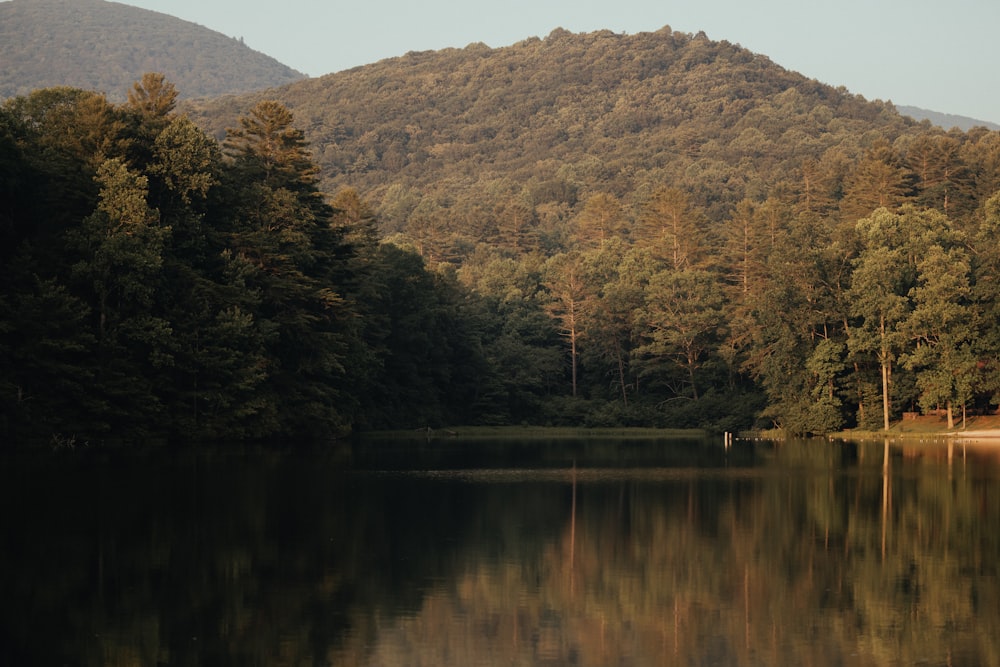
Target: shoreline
x,y
990,435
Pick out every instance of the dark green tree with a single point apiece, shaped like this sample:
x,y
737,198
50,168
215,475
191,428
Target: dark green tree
x,y
47,373
941,331
426,365
289,255
62,135
524,354
122,246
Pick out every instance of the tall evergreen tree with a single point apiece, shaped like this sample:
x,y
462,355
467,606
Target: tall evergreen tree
x,y
153,98
570,301
47,373
600,220
943,181
879,180
122,245
291,255
672,227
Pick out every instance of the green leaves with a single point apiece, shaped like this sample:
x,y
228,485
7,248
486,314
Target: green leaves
x,y
122,243
684,317
185,159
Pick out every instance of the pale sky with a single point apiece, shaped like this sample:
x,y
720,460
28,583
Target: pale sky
x,y
942,56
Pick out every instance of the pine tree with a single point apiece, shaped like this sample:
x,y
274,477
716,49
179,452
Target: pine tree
x,y
291,256
153,98
570,301
601,220
670,225
878,180
122,245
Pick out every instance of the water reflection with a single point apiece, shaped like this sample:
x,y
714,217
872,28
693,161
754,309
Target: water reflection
x,y
808,553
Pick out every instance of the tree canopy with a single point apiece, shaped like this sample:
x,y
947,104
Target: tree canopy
x,y
806,260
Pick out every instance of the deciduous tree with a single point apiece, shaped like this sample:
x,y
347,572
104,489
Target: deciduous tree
x,y
684,317
940,329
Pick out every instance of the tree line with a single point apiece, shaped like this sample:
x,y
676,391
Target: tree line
x,y
852,293
161,284
157,284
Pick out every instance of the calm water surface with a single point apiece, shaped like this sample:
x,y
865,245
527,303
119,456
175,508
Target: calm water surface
x,y
475,553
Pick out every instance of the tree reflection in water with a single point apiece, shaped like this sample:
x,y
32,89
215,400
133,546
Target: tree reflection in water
x,y
807,553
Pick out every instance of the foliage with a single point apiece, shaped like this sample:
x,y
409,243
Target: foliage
x,y
751,249
553,122
166,289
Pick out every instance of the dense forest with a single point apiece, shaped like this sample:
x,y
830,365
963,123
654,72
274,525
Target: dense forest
x,y
562,117
105,46
157,284
709,242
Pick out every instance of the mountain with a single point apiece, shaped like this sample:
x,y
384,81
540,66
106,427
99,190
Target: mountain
x,y
559,118
106,46
944,120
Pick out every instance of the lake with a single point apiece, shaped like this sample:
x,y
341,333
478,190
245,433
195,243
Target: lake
x,y
454,552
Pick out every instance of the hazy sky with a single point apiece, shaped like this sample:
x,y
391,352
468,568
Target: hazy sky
x,y
939,55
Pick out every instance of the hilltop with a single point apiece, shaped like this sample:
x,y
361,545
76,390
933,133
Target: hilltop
x,y
569,115
106,46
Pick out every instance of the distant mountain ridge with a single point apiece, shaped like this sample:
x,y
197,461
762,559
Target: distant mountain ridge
x,y
106,46
945,120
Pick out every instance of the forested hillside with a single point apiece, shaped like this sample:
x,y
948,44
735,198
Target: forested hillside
x,y
105,46
594,229
686,211
569,115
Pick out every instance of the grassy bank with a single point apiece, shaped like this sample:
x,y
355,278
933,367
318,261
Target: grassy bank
x,y
926,426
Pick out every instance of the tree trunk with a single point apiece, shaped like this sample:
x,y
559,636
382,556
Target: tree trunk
x,y
621,377
572,345
692,359
885,361
885,394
